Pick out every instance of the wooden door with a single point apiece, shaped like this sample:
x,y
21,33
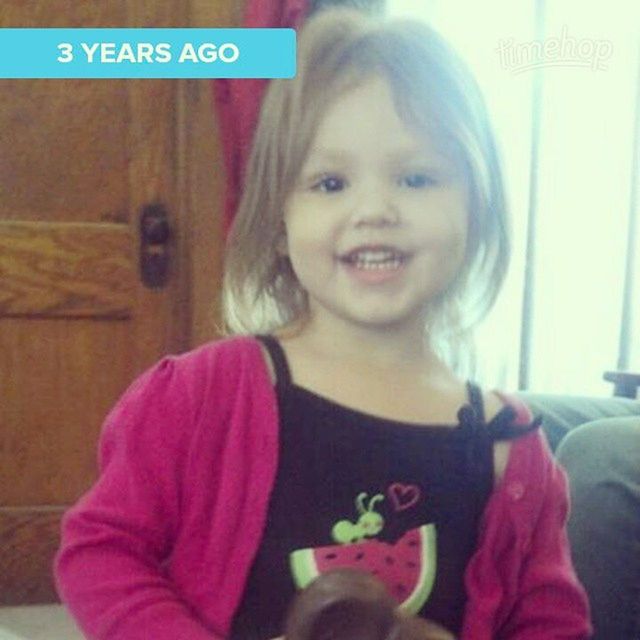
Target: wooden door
x,y
79,160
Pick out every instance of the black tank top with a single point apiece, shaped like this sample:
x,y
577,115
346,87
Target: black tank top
x,y
400,500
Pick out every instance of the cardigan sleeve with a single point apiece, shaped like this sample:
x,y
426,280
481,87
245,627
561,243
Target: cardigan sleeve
x,y
109,568
551,603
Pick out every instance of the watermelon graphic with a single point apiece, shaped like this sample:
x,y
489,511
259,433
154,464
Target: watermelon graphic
x,y
407,568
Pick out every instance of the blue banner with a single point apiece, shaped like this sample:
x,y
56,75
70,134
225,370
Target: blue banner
x,y
147,53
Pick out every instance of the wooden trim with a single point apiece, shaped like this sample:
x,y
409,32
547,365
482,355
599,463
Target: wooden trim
x,y
201,183
201,180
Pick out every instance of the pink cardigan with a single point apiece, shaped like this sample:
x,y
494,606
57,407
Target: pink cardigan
x,y
160,547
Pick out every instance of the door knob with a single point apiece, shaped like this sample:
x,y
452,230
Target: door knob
x,y
155,233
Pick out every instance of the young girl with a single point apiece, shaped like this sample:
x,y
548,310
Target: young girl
x,y
332,433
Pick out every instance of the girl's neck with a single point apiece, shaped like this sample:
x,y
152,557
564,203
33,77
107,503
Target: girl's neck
x,y
378,347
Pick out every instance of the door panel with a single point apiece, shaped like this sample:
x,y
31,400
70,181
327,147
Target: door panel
x,y
29,538
58,270
59,379
71,136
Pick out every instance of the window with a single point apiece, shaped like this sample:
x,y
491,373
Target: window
x,y
562,86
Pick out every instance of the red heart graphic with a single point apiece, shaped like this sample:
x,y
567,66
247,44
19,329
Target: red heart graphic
x,y
403,496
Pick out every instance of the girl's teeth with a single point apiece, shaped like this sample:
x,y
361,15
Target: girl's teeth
x,y
375,256
377,261
387,264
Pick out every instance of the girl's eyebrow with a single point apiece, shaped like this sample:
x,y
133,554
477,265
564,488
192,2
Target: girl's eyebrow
x,y
322,154
399,155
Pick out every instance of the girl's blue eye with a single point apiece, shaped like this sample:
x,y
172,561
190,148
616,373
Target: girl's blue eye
x,y
416,180
329,184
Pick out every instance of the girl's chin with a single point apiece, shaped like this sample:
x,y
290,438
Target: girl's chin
x,y
383,318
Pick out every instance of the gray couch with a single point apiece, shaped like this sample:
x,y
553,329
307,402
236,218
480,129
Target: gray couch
x,y
564,413
597,440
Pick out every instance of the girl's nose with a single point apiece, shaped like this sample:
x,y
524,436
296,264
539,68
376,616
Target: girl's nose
x,y
375,208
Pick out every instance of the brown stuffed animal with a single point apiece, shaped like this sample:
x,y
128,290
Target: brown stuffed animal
x,y
352,605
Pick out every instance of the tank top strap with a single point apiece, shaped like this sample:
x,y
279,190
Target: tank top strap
x,y
505,429
514,420
474,394
278,358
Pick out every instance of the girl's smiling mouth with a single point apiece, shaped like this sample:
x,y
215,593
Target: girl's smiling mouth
x,y
374,263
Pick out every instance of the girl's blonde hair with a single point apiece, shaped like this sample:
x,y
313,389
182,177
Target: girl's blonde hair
x,y
435,94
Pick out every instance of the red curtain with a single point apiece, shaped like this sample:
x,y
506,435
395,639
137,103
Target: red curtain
x,y
238,100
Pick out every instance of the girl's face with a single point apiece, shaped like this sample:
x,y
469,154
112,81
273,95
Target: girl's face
x,y
377,222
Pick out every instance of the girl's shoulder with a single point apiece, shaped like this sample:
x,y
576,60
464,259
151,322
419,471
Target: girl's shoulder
x,y
221,349
170,396
509,451
214,366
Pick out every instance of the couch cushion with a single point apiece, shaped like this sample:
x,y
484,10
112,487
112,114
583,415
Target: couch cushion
x,y
562,413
